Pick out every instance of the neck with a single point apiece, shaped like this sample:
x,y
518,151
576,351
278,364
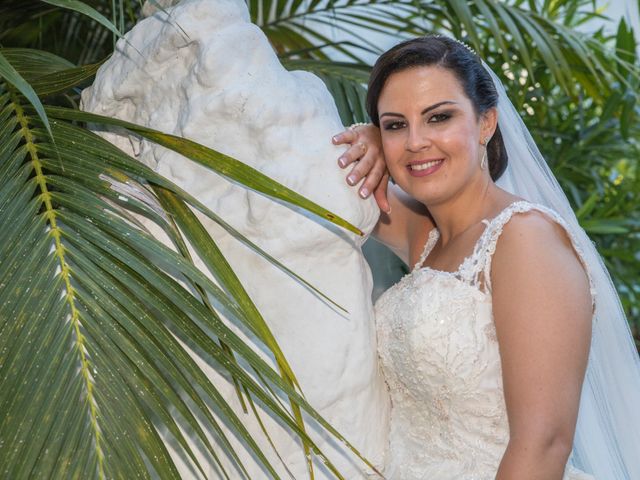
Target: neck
x,y
466,208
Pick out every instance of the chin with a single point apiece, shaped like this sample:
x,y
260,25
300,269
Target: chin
x,y
427,194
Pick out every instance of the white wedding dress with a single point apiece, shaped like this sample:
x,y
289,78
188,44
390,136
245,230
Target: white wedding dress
x,y
439,353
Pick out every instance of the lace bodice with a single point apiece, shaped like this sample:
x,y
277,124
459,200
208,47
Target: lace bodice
x,y
439,353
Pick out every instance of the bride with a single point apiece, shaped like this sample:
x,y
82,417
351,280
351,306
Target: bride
x,y
485,344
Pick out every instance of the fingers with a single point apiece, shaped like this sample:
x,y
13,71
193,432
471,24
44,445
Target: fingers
x,y
348,136
380,194
363,167
373,177
354,153
366,155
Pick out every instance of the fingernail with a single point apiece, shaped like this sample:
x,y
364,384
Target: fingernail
x,y
335,138
342,162
364,192
388,211
351,179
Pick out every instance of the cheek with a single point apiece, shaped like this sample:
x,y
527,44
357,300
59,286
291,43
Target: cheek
x,y
458,144
392,147
456,141
393,150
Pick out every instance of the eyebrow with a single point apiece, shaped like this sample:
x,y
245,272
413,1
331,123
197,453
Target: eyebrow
x,y
428,109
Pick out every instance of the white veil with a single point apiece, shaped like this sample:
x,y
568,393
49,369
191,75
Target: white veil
x,y
607,440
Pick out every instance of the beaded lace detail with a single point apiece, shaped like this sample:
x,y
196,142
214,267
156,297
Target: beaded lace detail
x,y
439,353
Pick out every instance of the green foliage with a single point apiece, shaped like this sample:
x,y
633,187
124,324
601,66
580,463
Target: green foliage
x,y
592,145
68,33
95,311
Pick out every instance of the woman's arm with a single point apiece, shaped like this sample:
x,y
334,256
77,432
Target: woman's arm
x,y
405,229
403,220
542,312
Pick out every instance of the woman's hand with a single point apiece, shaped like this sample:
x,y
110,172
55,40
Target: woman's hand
x,y
365,152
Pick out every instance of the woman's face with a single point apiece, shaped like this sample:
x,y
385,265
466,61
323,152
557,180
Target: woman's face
x,y
431,135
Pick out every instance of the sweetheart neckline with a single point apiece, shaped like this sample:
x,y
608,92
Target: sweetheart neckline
x,y
447,274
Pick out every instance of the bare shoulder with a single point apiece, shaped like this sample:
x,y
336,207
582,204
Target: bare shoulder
x,y
534,234
535,256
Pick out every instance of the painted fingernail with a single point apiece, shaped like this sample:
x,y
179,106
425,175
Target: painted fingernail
x,y
342,162
364,192
351,179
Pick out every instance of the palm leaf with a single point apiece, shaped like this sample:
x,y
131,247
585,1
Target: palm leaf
x,y
63,80
86,10
534,34
219,162
12,76
120,169
85,285
32,64
346,82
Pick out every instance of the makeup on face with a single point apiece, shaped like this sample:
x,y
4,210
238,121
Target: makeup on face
x,y
428,125
396,121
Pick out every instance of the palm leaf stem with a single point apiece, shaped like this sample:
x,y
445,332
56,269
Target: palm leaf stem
x,y
96,146
50,215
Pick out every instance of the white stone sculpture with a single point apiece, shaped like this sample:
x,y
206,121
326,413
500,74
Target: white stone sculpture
x,y
210,75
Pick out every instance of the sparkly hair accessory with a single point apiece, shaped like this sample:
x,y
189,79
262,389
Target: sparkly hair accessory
x,y
438,35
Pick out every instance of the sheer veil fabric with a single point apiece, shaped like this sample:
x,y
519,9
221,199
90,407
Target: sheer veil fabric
x,y
607,439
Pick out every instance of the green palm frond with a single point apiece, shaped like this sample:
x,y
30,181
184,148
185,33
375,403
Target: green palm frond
x,y
535,34
68,31
346,82
47,73
219,162
32,64
94,311
289,24
12,75
87,11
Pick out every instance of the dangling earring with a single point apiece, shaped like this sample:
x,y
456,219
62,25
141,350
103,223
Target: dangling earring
x,y
483,162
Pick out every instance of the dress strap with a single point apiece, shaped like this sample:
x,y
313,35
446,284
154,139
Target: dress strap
x,y
486,246
479,263
432,239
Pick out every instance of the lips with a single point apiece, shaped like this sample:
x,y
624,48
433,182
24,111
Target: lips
x,y
422,168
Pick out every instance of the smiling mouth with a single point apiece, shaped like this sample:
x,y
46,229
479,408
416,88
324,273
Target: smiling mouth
x,y
424,166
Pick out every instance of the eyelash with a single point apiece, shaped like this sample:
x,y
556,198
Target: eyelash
x,y
443,117
439,118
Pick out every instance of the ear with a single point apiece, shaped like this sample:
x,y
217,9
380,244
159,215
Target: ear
x,y
488,123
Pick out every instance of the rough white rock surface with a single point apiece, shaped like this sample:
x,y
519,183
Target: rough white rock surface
x,y
210,75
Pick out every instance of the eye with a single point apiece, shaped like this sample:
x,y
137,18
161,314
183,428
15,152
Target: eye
x,y
439,117
393,125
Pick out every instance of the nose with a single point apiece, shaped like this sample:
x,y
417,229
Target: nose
x,y
417,139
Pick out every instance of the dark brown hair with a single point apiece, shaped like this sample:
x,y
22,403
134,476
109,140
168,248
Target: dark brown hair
x,y
454,56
